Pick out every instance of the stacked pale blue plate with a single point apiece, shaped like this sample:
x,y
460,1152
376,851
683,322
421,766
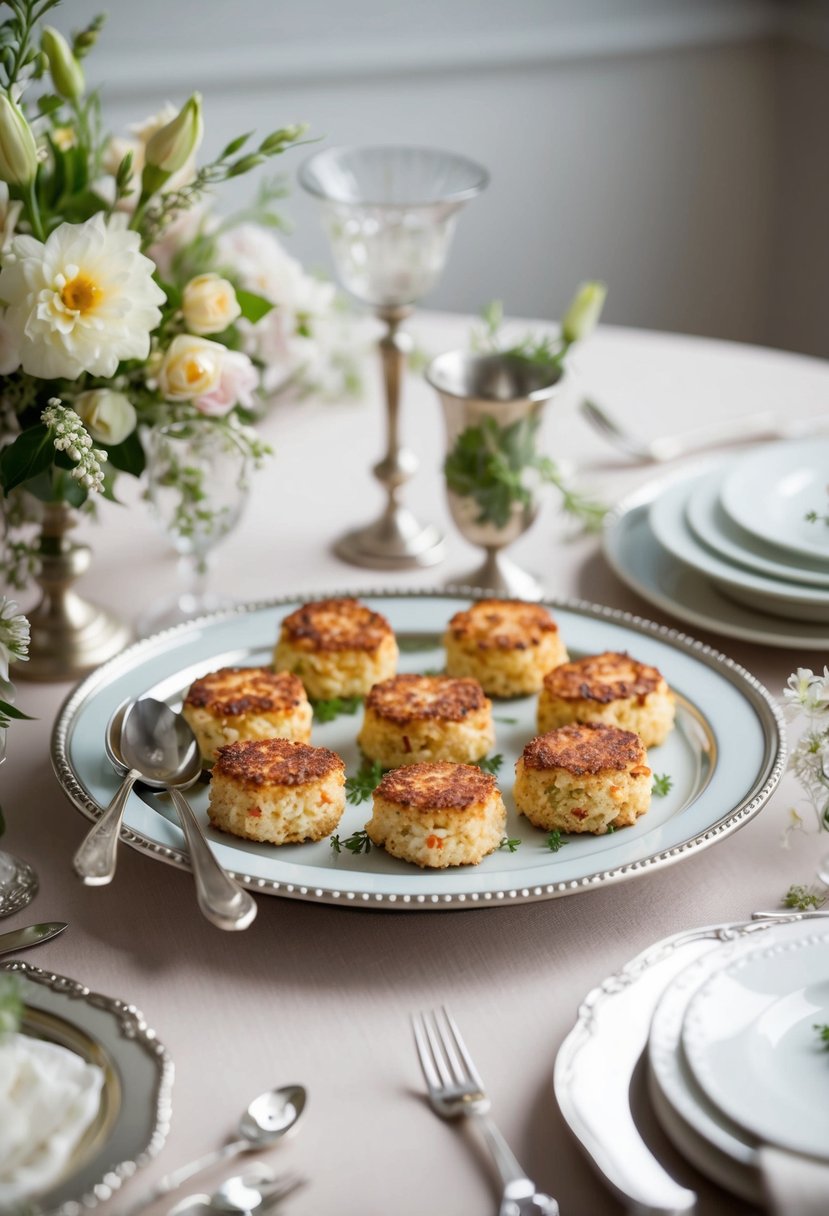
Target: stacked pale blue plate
x,y
739,544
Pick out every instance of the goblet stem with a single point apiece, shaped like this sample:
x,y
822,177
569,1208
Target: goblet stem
x,y
502,577
398,465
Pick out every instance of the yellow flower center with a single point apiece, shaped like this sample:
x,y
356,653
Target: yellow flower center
x,y
80,294
193,371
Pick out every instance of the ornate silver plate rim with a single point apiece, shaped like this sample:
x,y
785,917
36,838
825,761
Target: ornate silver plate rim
x,y
755,693
99,1178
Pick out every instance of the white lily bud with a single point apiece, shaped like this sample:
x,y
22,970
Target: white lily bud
x,y
18,150
66,72
171,147
584,311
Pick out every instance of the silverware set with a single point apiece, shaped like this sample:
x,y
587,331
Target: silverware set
x,y
147,742
456,1091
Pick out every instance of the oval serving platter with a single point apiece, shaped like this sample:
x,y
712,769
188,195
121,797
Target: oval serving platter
x,y
713,790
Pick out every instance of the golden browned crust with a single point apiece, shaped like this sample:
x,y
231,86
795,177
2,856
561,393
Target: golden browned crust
x,y
585,747
502,625
409,698
257,762
244,690
338,624
440,785
603,678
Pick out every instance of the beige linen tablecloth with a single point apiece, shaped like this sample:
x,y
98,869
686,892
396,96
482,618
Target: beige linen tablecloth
x,y
322,995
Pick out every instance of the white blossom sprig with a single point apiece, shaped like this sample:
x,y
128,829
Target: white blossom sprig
x,y
14,647
806,698
71,436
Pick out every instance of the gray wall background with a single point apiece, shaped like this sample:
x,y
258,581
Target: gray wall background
x,y
677,149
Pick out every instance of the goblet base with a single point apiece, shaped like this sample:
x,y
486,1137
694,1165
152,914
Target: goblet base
x,y
397,541
179,610
71,637
502,577
18,884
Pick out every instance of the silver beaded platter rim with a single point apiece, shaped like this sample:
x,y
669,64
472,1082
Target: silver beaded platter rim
x,y
403,897
138,1068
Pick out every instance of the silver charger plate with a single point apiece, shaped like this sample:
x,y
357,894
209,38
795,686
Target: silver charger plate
x,y
715,790
134,1113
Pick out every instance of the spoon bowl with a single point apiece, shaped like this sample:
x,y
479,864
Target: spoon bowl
x,y
271,1115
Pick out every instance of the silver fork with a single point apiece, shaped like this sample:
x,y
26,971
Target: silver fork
x,y
456,1091
728,430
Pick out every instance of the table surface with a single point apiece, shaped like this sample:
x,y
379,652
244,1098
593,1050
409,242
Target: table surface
x,y
322,995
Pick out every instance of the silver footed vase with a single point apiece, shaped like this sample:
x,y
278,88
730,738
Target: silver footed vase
x,y
70,636
492,408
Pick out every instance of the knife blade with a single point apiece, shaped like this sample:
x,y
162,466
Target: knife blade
x,y
30,935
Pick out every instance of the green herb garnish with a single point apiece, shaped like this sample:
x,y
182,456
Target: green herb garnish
x,y
362,785
804,898
357,842
490,464
823,1033
509,843
327,711
416,643
555,841
490,764
506,721
814,517
11,1005
662,783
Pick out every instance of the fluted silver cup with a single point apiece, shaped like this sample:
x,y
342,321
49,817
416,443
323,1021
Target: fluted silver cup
x,y
509,390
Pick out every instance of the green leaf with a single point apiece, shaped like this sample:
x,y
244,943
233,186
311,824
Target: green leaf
x,y
327,711
128,456
30,453
234,145
253,307
11,711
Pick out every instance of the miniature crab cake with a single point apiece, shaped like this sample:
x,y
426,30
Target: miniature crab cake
x,y
611,688
585,777
438,815
412,718
276,790
507,645
338,648
246,703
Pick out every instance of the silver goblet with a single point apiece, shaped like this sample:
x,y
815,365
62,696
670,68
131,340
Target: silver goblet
x,y
389,214
492,406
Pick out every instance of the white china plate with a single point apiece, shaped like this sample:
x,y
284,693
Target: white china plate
x,y
669,526
134,1116
713,527
638,559
769,493
599,1059
749,1039
714,790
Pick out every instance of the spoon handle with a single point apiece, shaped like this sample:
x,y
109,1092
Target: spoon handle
x,y
173,1180
221,899
95,860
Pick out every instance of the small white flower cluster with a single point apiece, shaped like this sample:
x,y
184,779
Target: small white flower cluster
x,y
14,636
806,696
72,437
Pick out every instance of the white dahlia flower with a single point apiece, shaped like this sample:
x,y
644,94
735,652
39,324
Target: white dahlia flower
x,y
82,302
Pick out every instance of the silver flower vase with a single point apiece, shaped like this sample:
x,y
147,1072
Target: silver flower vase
x,y
69,635
492,407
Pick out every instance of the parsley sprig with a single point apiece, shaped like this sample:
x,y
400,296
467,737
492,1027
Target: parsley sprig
x,y
327,711
490,764
497,466
364,782
357,842
804,898
662,783
555,842
822,1033
510,843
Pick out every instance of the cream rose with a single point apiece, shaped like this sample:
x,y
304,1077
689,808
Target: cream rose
x,y
108,416
191,367
209,304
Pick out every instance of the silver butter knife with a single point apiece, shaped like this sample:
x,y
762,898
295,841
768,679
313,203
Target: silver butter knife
x,y
30,935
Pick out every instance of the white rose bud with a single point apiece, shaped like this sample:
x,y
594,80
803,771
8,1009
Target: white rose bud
x,y
108,416
191,367
209,304
583,314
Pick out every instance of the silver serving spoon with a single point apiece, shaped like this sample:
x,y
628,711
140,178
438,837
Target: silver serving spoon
x,y
160,747
95,860
255,1193
266,1120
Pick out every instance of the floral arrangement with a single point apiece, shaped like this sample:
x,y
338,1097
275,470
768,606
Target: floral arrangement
x,y
806,698
498,467
124,302
14,647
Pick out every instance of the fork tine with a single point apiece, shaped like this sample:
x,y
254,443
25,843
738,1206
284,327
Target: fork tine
x,y
424,1054
439,1053
461,1075
462,1049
